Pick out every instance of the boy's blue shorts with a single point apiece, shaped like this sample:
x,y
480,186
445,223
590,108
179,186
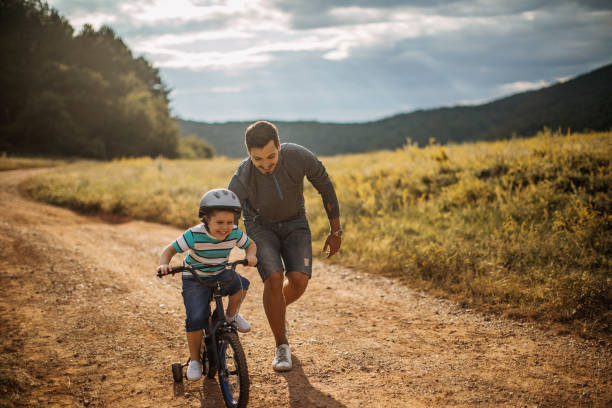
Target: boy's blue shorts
x,y
197,299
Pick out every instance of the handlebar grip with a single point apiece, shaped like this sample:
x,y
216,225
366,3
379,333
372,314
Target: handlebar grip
x,y
172,271
181,268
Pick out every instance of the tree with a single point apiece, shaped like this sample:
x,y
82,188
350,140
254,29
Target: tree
x,y
83,95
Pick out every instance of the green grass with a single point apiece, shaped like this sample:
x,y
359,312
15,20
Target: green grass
x,y
520,227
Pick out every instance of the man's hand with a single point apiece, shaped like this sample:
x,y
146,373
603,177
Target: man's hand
x,y
332,242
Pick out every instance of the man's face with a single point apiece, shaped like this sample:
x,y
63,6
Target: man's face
x,y
265,158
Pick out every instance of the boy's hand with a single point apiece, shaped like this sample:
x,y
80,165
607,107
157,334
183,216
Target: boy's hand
x,y
163,269
252,259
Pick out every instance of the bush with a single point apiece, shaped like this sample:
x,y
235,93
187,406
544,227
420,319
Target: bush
x,y
192,147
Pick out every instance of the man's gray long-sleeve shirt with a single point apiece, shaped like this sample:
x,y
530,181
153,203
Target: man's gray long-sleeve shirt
x,y
280,196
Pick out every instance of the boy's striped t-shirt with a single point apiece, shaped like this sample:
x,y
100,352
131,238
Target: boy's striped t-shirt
x,y
208,254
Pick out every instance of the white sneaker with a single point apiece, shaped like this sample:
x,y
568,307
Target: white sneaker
x,y
242,325
194,370
282,358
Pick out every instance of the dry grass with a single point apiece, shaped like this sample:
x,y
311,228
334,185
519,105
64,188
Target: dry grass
x,y
14,163
521,227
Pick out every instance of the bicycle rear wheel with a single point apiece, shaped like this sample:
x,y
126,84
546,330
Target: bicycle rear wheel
x,y
234,375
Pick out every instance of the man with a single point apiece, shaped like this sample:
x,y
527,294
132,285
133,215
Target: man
x,y
269,184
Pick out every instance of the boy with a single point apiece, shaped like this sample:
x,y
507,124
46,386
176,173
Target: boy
x,y
209,245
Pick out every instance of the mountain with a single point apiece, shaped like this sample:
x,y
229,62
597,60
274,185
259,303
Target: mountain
x,y
582,103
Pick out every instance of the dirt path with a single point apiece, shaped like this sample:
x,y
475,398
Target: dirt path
x,y
85,322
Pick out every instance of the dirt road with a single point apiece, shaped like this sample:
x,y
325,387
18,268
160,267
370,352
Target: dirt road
x,y
85,322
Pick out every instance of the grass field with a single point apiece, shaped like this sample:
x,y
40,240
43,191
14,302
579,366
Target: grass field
x,y
14,163
520,227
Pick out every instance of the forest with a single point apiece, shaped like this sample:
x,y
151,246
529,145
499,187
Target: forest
x,y
80,95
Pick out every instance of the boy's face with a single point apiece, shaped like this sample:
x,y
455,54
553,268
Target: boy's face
x,y
220,224
265,158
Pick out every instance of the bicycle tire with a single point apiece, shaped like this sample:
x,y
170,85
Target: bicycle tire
x,y
234,373
208,359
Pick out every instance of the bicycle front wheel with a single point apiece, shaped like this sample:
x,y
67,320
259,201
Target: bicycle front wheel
x,y
208,358
234,375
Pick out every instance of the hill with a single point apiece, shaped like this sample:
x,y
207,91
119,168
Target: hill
x,y
582,103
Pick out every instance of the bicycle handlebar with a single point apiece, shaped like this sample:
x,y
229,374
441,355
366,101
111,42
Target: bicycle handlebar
x,y
189,268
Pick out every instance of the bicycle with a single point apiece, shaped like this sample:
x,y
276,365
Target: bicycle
x,y
221,350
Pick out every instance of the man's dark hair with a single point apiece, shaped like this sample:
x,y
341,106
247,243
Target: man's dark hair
x,y
260,133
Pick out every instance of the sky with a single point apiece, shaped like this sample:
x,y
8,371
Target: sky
x,y
351,61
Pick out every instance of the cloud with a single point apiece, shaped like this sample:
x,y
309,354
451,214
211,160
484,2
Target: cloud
x,y
352,59
182,51
595,4
167,16
522,86
396,27
238,34
147,12
96,13
189,40
230,89
95,19
242,47
321,13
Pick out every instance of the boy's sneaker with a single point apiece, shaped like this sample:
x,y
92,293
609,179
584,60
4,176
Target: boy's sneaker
x,y
282,358
242,325
194,370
